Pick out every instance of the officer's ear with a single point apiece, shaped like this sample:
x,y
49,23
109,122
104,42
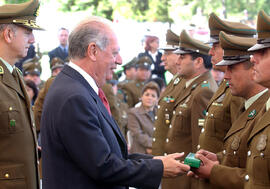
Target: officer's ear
x,y
92,51
198,62
9,33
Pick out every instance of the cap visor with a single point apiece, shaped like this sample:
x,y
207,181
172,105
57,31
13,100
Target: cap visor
x,y
229,62
180,51
257,47
167,48
212,41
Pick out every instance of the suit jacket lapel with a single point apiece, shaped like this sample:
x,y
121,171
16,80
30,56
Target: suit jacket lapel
x,y
74,74
10,81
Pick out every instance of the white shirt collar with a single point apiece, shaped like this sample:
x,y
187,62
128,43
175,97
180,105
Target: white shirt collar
x,y
154,55
190,81
9,67
250,101
85,75
268,104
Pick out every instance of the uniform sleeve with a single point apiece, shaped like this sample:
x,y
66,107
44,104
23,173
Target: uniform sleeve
x,y
135,127
199,105
234,177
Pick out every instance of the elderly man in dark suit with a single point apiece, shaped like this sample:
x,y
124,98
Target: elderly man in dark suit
x,y
62,50
82,145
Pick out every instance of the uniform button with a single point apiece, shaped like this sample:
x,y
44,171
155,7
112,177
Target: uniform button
x,y
180,112
167,140
262,154
165,154
246,177
154,128
10,108
206,114
173,112
158,106
154,139
155,117
224,152
7,175
198,147
234,152
170,126
166,109
212,115
202,130
249,153
37,162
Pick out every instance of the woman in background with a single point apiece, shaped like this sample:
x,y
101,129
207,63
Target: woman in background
x,y
141,120
151,50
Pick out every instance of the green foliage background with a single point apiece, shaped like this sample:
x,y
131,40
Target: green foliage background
x,y
160,10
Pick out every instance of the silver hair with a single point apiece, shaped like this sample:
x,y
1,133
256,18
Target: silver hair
x,y
93,30
4,26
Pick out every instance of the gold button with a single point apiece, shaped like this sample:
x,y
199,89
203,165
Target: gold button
x,y
262,154
158,106
167,140
249,153
206,113
224,152
155,117
154,139
166,109
10,108
198,147
6,175
154,128
167,121
170,126
234,152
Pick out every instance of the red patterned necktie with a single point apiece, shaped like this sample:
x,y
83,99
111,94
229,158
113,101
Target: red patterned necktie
x,y
104,100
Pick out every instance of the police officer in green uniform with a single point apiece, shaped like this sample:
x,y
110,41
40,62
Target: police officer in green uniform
x,y
223,108
18,157
132,90
231,162
169,95
194,66
129,71
258,161
32,70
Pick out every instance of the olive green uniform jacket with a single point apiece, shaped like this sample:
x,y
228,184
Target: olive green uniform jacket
x,y
258,160
183,136
118,108
132,92
234,155
162,123
39,102
222,110
18,144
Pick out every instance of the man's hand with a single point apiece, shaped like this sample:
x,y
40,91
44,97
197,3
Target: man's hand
x,y
209,155
172,166
204,171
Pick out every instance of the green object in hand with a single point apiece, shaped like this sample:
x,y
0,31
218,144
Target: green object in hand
x,y
192,161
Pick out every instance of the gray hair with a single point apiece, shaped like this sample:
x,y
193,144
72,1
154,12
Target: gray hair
x,y
4,26
92,30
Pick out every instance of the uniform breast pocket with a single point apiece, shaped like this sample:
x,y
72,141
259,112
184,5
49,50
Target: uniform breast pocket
x,y
10,119
12,177
181,123
261,170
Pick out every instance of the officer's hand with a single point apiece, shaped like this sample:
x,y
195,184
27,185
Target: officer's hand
x,y
205,169
172,166
209,155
